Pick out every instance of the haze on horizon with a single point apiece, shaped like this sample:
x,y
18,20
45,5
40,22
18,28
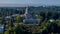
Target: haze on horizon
x,y
29,2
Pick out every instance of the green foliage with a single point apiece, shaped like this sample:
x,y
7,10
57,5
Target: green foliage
x,y
11,23
6,32
0,21
19,19
43,27
39,17
10,30
1,33
18,29
58,22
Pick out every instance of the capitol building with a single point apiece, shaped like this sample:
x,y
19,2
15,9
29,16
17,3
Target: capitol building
x,y
29,18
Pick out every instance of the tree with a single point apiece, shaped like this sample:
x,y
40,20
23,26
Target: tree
x,y
19,29
19,19
11,30
6,32
11,23
0,21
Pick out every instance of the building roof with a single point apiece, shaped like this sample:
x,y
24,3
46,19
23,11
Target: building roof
x,y
30,21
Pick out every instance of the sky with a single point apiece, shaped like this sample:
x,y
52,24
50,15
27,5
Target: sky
x,y
29,2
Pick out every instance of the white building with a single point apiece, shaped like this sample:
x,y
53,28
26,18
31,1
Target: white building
x,y
28,18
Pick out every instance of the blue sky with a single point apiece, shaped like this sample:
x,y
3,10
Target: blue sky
x,y
29,2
